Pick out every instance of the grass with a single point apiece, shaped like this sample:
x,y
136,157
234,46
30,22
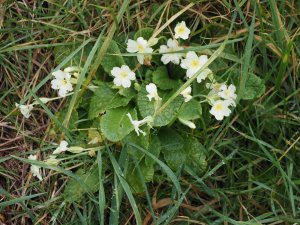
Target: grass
x,y
252,175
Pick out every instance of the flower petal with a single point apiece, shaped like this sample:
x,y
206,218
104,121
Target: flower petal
x,y
132,46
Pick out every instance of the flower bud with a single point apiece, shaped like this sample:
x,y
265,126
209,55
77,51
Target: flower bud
x,y
76,149
52,161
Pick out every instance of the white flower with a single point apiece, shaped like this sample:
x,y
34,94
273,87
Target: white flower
x,y
193,63
140,46
172,46
228,93
61,148
137,123
25,109
220,109
213,94
152,92
72,69
181,31
202,76
35,170
186,93
188,123
123,76
214,86
61,82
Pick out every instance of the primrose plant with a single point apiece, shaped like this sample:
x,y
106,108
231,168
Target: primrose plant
x,y
152,101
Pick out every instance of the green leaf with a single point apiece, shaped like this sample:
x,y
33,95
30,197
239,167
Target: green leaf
x,y
147,108
164,168
133,177
254,87
146,164
175,159
74,189
106,98
141,140
195,154
182,150
150,143
172,147
162,80
112,57
115,124
170,140
146,33
190,110
154,149
147,171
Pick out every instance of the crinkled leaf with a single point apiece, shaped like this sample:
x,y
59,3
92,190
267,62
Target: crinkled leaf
x,y
175,159
112,57
106,98
195,154
190,110
141,140
154,149
147,171
162,80
75,190
172,147
254,87
170,140
115,124
133,178
146,33
147,108
182,150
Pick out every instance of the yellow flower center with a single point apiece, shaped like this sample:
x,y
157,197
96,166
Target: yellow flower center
x,y
140,48
123,75
227,92
64,82
194,63
171,50
181,30
217,86
219,107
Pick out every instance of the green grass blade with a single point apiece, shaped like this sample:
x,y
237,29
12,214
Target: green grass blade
x,y
18,200
246,60
101,196
126,187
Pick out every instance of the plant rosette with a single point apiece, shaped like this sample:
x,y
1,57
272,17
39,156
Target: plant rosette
x,y
141,105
